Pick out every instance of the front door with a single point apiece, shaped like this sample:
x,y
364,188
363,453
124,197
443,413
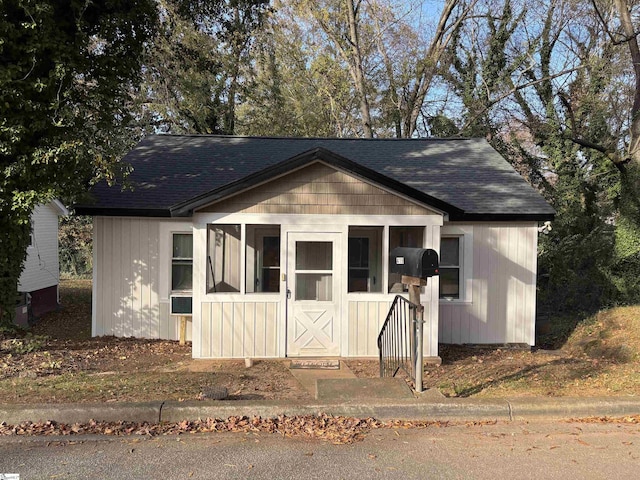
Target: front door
x,y
313,289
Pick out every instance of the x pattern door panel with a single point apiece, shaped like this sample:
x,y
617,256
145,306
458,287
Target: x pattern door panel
x,y
313,323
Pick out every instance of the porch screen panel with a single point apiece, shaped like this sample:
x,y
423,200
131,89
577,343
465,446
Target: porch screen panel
x,y
224,245
263,259
412,237
365,259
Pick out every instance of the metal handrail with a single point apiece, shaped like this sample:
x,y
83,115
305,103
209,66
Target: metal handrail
x,y
398,339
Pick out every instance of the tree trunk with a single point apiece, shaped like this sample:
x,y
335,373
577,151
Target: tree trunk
x,y
634,50
357,69
427,69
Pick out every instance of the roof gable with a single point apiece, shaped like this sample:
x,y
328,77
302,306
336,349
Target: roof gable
x,y
317,189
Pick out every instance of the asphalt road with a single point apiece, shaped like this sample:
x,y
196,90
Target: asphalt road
x,y
550,450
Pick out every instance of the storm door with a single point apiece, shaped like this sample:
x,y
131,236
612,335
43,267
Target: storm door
x,y
313,282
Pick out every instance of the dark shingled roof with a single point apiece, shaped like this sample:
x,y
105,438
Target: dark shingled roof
x,y
467,178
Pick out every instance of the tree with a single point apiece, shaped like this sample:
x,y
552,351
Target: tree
x,y
546,89
299,85
75,240
196,71
622,146
69,70
388,57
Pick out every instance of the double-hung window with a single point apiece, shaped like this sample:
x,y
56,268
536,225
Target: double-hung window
x,y
182,262
451,267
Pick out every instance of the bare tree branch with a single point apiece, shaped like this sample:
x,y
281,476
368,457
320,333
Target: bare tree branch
x,y
515,89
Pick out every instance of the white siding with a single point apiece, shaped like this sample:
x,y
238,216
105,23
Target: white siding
x,y
41,268
129,268
503,300
365,319
239,329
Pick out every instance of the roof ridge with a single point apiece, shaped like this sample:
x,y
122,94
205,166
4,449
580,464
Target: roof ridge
x,y
275,137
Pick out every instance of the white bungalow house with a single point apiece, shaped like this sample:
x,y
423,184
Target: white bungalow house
x,y
38,282
279,246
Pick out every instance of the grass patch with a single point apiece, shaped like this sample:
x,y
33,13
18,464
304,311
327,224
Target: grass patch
x,y
611,335
87,387
58,362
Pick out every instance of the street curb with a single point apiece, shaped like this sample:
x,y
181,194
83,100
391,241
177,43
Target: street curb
x,y
573,407
390,410
80,413
445,409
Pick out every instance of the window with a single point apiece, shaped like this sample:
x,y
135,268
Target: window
x,y
263,258
403,237
182,262
314,271
450,267
365,259
224,245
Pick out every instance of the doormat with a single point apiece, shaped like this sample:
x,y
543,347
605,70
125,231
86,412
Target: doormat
x,y
316,364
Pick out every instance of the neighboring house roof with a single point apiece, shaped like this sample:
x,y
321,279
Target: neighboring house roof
x,y
59,207
173,174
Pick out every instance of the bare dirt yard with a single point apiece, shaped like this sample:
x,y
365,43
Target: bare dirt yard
x,y
58,361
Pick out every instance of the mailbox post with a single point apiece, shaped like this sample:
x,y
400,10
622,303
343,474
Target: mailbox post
x,y
415,265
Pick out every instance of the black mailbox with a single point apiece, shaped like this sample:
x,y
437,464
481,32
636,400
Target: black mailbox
x,y
414,262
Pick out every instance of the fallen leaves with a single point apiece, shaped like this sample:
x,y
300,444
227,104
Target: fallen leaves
x,y
629,419
334,429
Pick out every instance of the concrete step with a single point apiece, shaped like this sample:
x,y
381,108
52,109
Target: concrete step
x,y
362,389
308,378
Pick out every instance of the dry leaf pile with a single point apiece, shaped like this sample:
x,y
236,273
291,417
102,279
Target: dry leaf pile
x,y
630,419
334,429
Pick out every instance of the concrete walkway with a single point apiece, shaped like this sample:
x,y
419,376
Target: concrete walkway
x,y
309,377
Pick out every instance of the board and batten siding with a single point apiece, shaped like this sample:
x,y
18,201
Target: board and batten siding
x,y
131,263
365,319
240,329
41,268
503,302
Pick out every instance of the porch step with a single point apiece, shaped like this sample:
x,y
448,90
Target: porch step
x,y
308,377
362,389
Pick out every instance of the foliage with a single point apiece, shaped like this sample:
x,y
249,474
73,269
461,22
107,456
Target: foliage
x,y
547,90
69,68
347,69
21,346
195,73
75,241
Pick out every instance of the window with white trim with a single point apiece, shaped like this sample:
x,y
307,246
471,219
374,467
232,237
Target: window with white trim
x,y
456,263
451,273
182,262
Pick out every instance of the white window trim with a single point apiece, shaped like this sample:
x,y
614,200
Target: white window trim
x,y
182,292
165,253
465,233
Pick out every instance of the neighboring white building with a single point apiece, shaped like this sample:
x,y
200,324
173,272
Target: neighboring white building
x,y
38,283
280,247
